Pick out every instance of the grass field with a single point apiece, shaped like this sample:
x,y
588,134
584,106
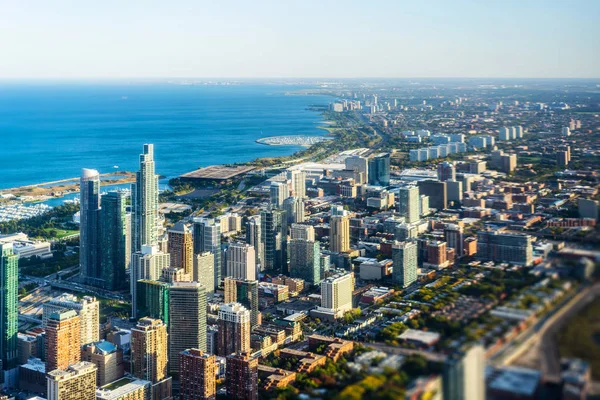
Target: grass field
x,y
61,233
580,337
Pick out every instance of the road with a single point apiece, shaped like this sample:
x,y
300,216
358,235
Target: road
x,y
434,357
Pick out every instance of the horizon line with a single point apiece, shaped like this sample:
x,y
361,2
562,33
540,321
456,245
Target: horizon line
x,y
79,78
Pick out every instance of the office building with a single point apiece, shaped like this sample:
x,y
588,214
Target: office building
x,y
146,264
505,247
149,349
305,260
246,293
274,237
336,292
454,191
408,203
114,257
88,309
241,377
181,247
234,329
294,208
405,258
358,164
204,271
463,375
339,232
63,340
379,170
207,237
108,360
454,237
197,375
436,191
9,321
297,181
279,191
144,202
89,213
446,171
241,261
587,208
153,299
77,382
187,320
302,231
254,238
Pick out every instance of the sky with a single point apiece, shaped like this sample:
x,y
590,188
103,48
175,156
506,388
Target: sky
x,y
304,39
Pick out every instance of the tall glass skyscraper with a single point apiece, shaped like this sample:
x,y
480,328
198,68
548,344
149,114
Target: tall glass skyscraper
x,y
404,255
207,237
274,236
89,224
113,237
144,200
379,170
408,203
9,318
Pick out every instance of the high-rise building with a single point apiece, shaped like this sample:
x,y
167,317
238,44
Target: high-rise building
x,y
244,292
197,375
9,321
294,208
153,299
336,292
108,360
204,271
454,190
253,238
114,257
436,191
207,237
89,251
302,231
454,237
305,260
405,257
379,170
279,191
63,340
234,329
181,247
436,253
566,131
358,164
241,376
77,382
187,320
144,200
149,349
339,234
505,133
408,203
241,261
88,309
446,171
463,375
146,264
505,247
298,183
587,208
274,237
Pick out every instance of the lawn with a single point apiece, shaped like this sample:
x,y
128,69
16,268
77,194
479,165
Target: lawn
x,y
60,233
580,337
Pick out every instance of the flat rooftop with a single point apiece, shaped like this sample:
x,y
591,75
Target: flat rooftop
x,y
217,172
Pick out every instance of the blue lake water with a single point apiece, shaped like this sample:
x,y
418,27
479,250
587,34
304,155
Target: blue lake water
x,y
49,131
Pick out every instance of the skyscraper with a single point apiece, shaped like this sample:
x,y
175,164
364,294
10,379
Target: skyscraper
x,y
63,340
187,320
234,329
149,359
77,382
305,260
89,256
454,236
241,261
436,191
153,299
244,292
279,191
358,164
181,247
339,234
274,236
408,203
204,271
446,171
144,200
88,309
463,375
241,376
336,292
146,264
297,180
404,256
294,208
301,231
197,375
379,170
253,238
113,241
9,321
207,237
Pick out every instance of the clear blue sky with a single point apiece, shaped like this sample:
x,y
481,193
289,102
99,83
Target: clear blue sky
x,y
285,38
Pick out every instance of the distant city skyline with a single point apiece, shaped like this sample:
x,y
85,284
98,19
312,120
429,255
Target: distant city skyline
x,y
263,39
